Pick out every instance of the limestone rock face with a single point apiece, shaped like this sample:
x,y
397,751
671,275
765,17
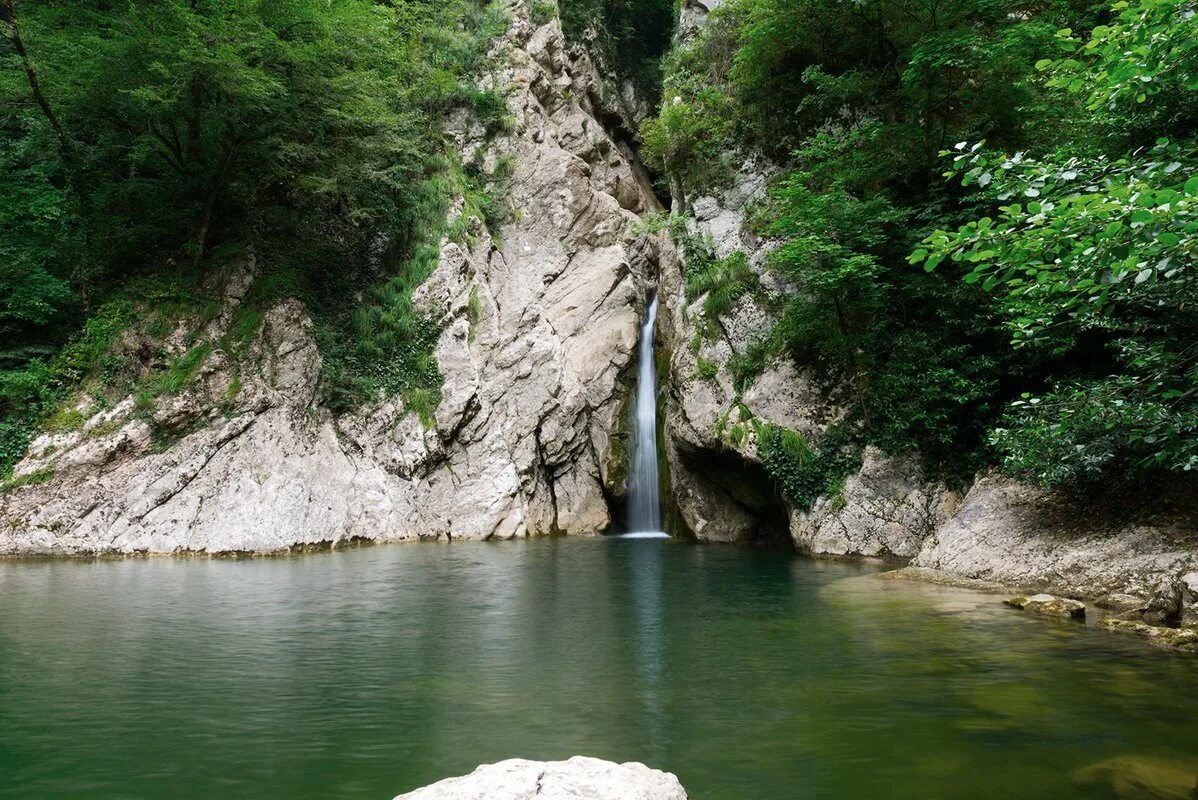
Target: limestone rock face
x,y
1019,535
539,329
579,778
885,509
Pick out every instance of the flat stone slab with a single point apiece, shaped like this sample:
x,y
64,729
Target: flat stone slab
x,y
1049,605
939,577
1184,640
579,778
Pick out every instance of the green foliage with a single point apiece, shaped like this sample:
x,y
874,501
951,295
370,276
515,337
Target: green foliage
x,y
382,344
692,138
154,136
721,282
35,478
64,420
631,34
767,74
543,12
804,475
40,387
1089,257
833,245
854,103
1084,431
247,321
181,372
473,310
1097,240
1150,48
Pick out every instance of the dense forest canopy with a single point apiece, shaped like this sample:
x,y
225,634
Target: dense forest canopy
x,y
986,209
138,136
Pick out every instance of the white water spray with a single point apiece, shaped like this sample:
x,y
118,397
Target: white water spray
x,y
644,482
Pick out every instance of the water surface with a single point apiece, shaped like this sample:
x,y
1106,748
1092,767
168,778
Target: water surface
x,y
750,674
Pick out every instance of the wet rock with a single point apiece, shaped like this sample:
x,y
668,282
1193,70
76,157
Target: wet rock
x,y
579,778
1165,604
1049,605
1189,597
1136,777
1183,640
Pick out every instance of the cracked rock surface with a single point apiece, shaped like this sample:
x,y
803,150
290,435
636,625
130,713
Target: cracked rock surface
x,y
540,326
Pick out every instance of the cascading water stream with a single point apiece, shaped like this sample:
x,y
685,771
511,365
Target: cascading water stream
x,y
644,482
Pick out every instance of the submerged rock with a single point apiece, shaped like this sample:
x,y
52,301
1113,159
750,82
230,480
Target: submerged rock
x,y
1141,778
939,578
579,778
1121,603
1182,639
1049,605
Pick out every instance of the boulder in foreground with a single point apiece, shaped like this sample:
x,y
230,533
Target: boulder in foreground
x,y
579,778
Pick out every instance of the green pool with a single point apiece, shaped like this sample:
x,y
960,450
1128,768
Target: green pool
x,y
750,674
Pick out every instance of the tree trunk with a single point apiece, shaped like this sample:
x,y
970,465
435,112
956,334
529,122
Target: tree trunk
x,y
12,21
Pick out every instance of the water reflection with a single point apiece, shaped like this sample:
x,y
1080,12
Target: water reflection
x,y
750,674
643,560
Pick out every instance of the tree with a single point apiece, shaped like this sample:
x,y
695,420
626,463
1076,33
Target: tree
x,y
1092,259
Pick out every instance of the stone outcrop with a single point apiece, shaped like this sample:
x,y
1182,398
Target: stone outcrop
x,y
579,778
1049,605
539,329
886,509
1018,535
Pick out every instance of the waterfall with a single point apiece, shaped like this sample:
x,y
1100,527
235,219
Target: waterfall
x,y
644,483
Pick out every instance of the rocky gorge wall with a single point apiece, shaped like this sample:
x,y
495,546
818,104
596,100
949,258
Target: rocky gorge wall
x,y
539,328
1135,553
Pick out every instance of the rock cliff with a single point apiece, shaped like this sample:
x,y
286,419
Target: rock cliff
x,y
1136,552
713,415
539,328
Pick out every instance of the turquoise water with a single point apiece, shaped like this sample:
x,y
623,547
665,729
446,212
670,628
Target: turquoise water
x,y
365,673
